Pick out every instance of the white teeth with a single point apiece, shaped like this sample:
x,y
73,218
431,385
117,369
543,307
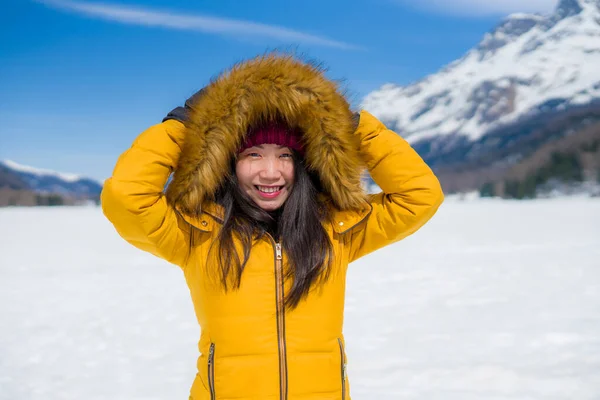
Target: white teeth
x,y
267,189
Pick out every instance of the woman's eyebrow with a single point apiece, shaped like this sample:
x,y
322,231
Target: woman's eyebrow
x,y
260,146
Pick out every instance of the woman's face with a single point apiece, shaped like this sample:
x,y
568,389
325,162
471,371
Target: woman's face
x,y
266,174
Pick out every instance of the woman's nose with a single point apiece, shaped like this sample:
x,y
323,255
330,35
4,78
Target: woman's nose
x,y
270,169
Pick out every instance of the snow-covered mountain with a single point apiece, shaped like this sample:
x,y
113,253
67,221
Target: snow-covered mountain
x,y
23,177
528,66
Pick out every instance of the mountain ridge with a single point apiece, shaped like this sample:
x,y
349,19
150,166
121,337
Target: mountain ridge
x,y
25,185
531,80
525,61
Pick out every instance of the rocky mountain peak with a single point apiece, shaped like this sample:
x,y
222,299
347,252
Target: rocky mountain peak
x,y
568,8
510,28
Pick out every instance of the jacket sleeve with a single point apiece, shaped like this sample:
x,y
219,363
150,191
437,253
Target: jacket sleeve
x,y
411,192
133,199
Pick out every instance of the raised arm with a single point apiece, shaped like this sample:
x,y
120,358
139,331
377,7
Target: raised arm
x,y
133,198
411,192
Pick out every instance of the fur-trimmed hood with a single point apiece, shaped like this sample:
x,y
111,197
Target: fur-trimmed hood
x,y
267,87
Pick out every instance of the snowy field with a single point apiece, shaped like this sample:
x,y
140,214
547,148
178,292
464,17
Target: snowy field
x,y
492,300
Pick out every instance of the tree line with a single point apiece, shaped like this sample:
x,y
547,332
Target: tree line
x,y
563,167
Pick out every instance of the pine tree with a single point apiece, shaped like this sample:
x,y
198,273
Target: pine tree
x,y
487,190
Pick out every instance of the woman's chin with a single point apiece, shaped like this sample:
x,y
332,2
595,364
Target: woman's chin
x,y
270,204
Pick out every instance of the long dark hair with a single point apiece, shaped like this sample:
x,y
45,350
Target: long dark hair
x,y
297,225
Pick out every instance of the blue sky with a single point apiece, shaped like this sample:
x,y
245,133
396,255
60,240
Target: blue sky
x,y
81,79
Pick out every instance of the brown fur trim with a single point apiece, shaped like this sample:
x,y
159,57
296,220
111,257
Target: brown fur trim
x,y
271,86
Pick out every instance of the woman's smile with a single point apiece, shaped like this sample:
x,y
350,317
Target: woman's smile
x,y
269,192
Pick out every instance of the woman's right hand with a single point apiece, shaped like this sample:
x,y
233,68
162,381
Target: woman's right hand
x,y
182,114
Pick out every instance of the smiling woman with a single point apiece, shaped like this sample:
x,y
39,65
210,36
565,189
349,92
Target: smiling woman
x,y
265,164
266,175
263,215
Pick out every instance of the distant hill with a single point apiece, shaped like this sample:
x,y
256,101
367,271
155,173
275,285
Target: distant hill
x,y
23,185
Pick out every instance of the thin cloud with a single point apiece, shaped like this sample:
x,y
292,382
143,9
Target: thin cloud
x,y
199,23
483,7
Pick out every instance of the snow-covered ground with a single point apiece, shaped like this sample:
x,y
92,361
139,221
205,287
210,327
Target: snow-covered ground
x,y
492,300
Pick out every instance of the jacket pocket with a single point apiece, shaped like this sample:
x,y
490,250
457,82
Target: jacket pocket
x,y
211,371
343,367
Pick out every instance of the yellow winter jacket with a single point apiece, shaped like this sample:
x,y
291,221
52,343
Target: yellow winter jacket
x,y
250,346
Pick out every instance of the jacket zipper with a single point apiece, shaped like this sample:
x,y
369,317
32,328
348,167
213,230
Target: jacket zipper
x,y
343,369
279,287
211,371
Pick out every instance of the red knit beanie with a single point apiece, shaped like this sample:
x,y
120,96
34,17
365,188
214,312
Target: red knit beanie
x,y
274,133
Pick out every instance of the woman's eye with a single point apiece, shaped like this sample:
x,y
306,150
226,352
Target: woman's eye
x,y
254,154
287,155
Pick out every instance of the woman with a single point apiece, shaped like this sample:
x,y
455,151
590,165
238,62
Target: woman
x,y
264,213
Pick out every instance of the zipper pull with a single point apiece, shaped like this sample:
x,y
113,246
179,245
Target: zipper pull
x,y
211,353
278,250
